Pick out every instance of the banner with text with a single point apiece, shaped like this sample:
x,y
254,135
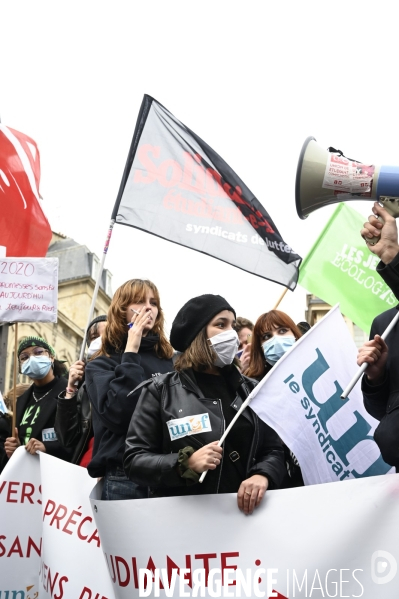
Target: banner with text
x,y
20,526
300,399
340,268
177,187
72,564
333,540
28,289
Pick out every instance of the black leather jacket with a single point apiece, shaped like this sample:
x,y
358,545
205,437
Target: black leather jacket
x,y
151,456
73,422
382,400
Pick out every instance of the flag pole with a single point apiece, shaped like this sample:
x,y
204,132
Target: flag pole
x,y
280,298
14,395
97,286
228,429
365,364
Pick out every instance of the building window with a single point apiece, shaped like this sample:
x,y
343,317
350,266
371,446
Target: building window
x,y
108,289
95,267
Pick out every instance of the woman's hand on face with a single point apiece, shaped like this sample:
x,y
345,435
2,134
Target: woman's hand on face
x,y
33,446
206,458
245,357
135,332
76,373
11,444
251,493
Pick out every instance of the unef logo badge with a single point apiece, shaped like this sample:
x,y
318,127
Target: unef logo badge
x,y
189,425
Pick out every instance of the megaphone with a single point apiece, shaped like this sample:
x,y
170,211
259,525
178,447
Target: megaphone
x,y
327,177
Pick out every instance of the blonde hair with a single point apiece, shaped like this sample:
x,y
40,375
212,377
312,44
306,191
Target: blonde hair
x,y
114,337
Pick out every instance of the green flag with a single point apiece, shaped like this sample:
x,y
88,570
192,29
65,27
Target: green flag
x,y
340,268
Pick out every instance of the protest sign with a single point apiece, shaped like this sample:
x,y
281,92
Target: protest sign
x,y
333,540
28,289
72,563
20,526
341,268
177,187
300,399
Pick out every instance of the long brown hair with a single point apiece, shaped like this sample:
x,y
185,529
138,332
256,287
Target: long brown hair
x,y
114,337
258,367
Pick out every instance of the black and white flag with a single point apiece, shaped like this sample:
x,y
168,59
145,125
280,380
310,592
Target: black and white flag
x,y
176,187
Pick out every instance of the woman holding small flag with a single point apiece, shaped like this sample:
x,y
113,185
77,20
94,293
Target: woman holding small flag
x,y
174,432
274,333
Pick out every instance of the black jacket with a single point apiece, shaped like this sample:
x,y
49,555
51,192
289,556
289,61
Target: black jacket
x,y
151,456
382,401
5,432
390,274
46,419
73,422
109,380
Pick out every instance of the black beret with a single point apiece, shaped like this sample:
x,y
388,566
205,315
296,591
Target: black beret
x,y
194,316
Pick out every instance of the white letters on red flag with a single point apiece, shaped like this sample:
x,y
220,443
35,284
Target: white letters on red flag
x,y
24,229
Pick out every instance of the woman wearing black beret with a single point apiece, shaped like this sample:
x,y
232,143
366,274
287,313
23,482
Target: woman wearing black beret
x,y
174,432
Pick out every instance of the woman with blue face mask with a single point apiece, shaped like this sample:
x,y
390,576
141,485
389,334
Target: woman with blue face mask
x,y
36,408
274,334
180,417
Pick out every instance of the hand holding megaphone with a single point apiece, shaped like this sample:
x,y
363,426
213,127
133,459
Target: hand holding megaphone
x,y
381,234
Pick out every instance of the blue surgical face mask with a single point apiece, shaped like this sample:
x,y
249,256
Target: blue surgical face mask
x,y
36,368
275,348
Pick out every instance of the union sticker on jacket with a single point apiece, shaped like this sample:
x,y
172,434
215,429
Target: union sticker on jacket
x,y
49,434
189,425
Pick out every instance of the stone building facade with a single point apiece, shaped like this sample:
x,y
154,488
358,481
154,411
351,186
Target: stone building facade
x,y
78,269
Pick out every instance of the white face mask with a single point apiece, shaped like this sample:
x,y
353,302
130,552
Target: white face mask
x,y
94,346
225,345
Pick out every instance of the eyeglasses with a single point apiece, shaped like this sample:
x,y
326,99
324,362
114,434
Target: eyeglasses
x,y
38,351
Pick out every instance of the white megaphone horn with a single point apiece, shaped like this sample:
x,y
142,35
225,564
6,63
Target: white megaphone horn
x,y
327,177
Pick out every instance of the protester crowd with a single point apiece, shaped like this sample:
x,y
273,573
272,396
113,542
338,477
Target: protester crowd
x,y
146,414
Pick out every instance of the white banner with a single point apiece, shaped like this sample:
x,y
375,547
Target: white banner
x,y
320,541
20,526
28,289
72,563
300,399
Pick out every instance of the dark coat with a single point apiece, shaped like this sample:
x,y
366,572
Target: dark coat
x,y
151,456
382,401
109,381
5,432
390,274
73,423
46,419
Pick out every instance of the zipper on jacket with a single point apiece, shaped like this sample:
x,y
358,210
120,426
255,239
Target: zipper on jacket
x,y
224,428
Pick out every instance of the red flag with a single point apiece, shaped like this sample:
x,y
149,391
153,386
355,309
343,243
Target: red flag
x,y
24,229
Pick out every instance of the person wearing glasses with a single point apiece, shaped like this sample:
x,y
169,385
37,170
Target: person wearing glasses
x,y
36,408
